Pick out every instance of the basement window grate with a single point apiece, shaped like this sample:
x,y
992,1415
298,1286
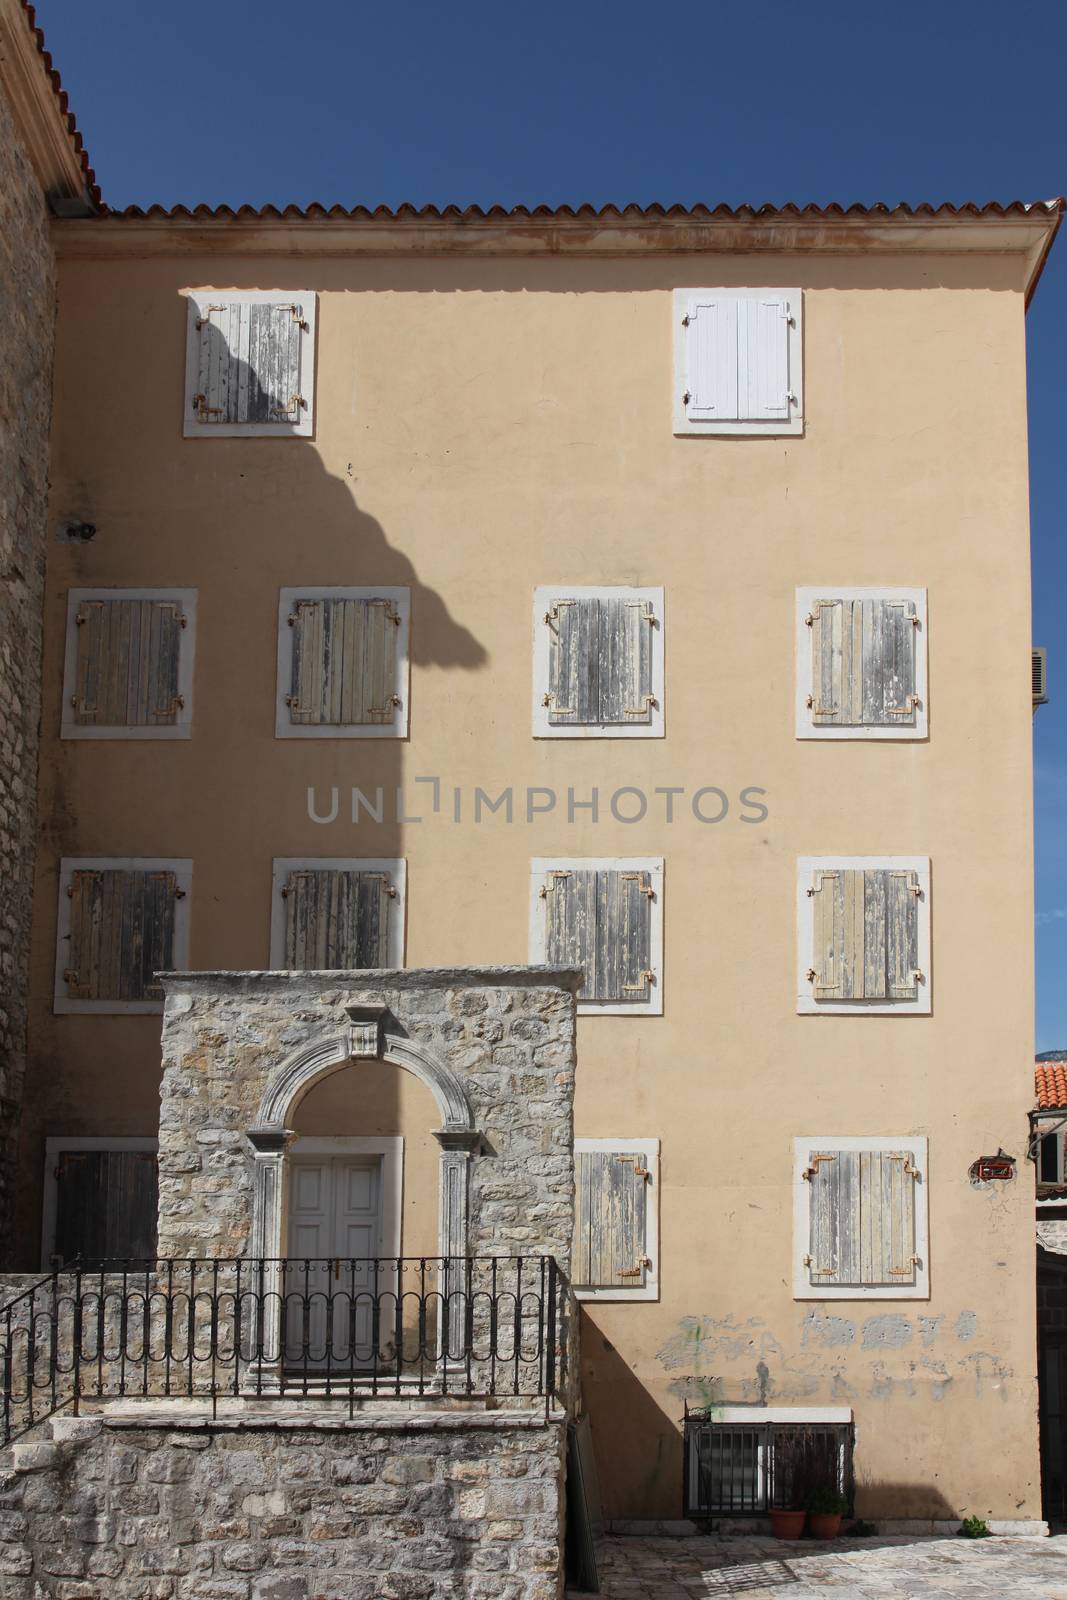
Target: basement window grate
x,y
745,1469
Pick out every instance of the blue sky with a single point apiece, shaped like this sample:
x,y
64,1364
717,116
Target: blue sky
x,y
482,101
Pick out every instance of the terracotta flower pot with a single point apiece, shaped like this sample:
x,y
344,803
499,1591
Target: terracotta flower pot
x,y
824,1525
788,1524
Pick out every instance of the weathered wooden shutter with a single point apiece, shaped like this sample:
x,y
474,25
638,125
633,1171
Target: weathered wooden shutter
x,y
865,927
738,359
121,933
127,663
601,920
344,662
862,1218
599,662
249,363
337,919
611,1208
863,663
106,1202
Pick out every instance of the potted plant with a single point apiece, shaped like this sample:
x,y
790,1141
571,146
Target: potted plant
x,y
825,1508
787,1524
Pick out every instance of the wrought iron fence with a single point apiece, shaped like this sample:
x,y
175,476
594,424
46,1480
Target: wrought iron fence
x,y
327,1328
746,1468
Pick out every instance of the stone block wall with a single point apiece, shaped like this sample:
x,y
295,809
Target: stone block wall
x,y
420,1506
507,1035
27,295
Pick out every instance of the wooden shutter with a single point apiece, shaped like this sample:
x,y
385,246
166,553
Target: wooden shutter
x,y
121,933
599,662
863,663
106,1202
601,920
249,363
738,359
763,359
127,663
336,920
711,360
611,1208
343,663
865,934
862,1218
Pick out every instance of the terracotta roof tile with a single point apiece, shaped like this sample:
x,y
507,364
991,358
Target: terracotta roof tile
x,y
64,106
1050,1082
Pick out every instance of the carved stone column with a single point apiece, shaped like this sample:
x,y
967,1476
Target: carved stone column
x,y
266,1338
458,1146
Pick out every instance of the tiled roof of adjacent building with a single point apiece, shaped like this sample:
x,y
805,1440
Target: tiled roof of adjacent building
x,y
606,213
65,112
1050,1083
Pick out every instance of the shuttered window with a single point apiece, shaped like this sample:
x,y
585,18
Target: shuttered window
x,y
337,915
128,663
605,918
737,361
121,933
344,662
866,934
120,923
249,363
863,1220
598,666
863,663
106,1202
615,1234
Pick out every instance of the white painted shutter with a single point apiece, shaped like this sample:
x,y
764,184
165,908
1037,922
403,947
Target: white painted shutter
x,y
610,1224
737,359
713,393
121,933
863,663
865,927
343,662
336,920
861,1218
126,672
763,359
249,363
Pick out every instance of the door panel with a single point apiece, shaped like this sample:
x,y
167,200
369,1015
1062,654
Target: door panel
x,y
335,1225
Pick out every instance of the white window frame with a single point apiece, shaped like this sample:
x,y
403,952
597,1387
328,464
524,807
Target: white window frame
x,y
1056,1130
64,1004
916,1147
395,866
653,865
390,1147
182,727
806,598
304,426
686,427
284,728
544,595
54,1145
649,1149
807,1005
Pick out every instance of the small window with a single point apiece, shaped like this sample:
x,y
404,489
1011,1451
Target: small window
x,y
860,1229
128,671
605,916
250,363
737,361
741,1460
343,663
337,915
120,922
861,663
1050,1169
616,1232
863,934
598,663
100,1201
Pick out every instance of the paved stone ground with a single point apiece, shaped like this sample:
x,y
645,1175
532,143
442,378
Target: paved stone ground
x,y
891,1568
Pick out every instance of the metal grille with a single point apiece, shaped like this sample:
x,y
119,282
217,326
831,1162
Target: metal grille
x,y
737,1469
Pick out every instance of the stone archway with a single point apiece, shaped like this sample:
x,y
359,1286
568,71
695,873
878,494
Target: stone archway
x,y
366,1038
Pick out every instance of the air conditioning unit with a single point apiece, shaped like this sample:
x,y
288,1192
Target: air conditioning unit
x,y
1039,677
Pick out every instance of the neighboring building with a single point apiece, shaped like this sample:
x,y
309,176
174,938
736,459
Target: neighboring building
x,y
1048,1143
642,591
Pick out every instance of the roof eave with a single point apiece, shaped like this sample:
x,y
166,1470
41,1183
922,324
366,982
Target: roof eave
x,y
39,107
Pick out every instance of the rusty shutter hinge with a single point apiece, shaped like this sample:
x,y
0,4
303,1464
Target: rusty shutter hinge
x,y
635,1272
812,1171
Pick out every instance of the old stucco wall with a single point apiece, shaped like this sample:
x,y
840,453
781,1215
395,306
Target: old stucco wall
x,y
416,1507
27,294
507,1035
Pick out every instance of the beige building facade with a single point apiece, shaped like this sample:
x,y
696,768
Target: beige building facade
x,y
488,429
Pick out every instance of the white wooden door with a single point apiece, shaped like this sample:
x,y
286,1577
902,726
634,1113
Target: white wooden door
x,y
335,1227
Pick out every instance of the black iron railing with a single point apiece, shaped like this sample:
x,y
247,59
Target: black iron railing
x,y
746,1468
324,1328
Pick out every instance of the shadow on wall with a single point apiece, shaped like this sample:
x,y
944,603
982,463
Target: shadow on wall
x,y
632,1435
